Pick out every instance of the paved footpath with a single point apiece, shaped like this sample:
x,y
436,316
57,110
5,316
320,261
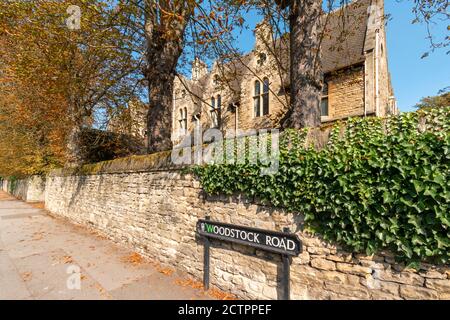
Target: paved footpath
x,y
42,257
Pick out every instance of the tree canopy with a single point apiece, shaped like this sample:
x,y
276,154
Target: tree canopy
x,y
63,69
439,101
55,78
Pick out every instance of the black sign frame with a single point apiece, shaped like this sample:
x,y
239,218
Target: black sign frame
x,y
286,256
286,235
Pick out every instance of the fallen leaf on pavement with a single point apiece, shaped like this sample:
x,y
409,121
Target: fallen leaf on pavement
x,y
67,259
215,293
219,295
26,276
37,236
37,205
134,258
166,271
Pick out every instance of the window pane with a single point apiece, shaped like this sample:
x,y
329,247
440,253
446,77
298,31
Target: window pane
x,y
214,119
325,89
257,106
324,107
265,97
218,111
266,85
265,104
257,88
219,101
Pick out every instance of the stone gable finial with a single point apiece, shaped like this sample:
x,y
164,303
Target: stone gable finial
x,y
199,69
263,34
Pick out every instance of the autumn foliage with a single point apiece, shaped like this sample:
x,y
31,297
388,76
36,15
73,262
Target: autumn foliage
x,y
33,108
55,79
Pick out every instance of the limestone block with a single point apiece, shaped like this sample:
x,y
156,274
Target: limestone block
x,y
353,269
417,293
323,264
437,284
348,290
402,278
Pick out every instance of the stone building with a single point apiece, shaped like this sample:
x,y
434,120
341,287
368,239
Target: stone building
x,y
252,92
131,120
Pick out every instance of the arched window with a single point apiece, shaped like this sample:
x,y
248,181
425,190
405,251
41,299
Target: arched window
x,y
261,98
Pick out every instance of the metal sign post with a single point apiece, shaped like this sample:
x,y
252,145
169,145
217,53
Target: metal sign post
x,y
286,280
284,243
206,262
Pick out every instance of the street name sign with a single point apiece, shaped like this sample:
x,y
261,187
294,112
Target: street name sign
x,y
277,242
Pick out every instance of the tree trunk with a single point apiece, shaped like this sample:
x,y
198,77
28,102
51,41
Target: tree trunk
x,y
74,156
159,121
164,32
305,58
162,57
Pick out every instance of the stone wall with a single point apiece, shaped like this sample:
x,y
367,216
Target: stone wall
x,y
155,213
31,189
346,93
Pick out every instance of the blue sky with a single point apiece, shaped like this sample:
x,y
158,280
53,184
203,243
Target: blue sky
x,y
412,77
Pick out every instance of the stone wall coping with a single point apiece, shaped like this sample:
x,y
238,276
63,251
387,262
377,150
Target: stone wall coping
x,y
160,161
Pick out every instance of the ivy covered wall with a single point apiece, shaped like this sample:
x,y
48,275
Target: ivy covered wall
x,y
378,184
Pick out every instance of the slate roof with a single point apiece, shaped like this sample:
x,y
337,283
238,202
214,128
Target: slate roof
x,y
344,37
344,42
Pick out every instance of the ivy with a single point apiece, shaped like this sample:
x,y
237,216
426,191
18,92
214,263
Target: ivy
x,y
379,184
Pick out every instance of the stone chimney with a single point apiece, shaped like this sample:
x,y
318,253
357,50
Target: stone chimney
x,y
199,69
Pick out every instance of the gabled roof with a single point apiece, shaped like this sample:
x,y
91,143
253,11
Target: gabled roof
x,y
346,36
345,40
345,33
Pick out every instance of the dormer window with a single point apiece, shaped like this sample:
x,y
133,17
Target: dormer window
x,y
261,98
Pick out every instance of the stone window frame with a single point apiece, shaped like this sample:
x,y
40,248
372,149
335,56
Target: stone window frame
x,y
261,92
